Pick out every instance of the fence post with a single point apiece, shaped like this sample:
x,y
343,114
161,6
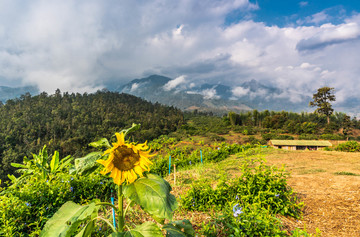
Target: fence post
x,y
169,164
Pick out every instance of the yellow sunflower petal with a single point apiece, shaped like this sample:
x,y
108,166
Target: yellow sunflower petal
x,y
120,138
126,161
139,170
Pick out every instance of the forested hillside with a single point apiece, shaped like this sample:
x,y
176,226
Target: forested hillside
x,y
68,122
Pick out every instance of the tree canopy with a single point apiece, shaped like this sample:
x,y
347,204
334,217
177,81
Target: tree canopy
x,y
322,99
68,122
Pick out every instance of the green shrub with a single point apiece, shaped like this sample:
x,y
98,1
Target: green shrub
x,y
216,138
283,137
254,141
14,216
349,146
305,136
33,202
249,220
268,136
259,183
331,137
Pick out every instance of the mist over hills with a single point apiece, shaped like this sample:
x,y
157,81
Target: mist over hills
x,y
180,92
212,97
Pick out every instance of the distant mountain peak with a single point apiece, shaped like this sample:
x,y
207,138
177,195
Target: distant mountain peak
x,y
7,93
253,85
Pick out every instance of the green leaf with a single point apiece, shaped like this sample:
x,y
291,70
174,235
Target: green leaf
x,y
66,220
54,164
16,165
102,143
87,164
89,228
179,228
134,127
147,229
11,177
152,193
43,156
65,162
116,234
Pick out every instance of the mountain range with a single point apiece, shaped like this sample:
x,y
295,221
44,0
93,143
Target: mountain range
x,y
15,92
216,98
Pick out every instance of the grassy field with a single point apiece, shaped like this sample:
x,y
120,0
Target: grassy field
x,y
327,182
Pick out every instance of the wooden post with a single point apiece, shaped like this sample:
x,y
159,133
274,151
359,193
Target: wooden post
x,y
174,175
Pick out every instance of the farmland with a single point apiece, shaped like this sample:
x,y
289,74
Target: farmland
x,y
327,182
227,182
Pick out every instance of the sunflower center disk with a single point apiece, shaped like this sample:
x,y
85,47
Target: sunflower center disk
x,y
125,158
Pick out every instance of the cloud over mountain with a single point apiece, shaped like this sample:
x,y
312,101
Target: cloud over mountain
x,y
83,45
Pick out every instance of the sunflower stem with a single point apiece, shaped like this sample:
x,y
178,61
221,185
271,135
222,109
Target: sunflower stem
x,y
121,220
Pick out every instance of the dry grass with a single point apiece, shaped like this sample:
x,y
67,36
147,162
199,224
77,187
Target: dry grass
x,y
332,201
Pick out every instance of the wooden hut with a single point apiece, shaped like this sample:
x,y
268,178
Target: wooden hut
x,y
299,144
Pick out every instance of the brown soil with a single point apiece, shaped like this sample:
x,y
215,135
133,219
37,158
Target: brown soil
x,y
332,201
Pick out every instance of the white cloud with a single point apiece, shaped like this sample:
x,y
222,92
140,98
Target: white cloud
x,y
134,86
303,4
175,83
318,17
209,94
240,91
78,45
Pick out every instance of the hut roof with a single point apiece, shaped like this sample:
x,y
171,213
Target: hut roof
x,y
300,143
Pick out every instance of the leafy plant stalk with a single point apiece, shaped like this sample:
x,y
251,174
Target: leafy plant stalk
x,y
121,221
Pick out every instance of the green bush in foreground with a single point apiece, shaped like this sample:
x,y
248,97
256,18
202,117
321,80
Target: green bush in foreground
x,y
26,207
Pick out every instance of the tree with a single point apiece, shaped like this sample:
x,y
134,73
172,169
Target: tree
x,y
234,118
322,100
346,124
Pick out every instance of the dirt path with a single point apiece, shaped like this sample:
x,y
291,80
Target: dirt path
x,y
332,201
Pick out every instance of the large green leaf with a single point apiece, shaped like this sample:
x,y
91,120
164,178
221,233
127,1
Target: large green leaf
x,y
152,193
54,164
87,230
66,220
87,164
43,157
102,143
147,229
180,228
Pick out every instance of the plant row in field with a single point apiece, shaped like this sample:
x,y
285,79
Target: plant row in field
x,y
185,157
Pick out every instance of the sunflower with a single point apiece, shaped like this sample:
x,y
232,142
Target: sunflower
x,y
126,161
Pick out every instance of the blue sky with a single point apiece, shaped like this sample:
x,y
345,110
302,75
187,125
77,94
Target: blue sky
x,y
84,45
283,13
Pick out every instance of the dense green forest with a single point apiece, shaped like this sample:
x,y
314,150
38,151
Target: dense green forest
x,y
295,123
68,122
